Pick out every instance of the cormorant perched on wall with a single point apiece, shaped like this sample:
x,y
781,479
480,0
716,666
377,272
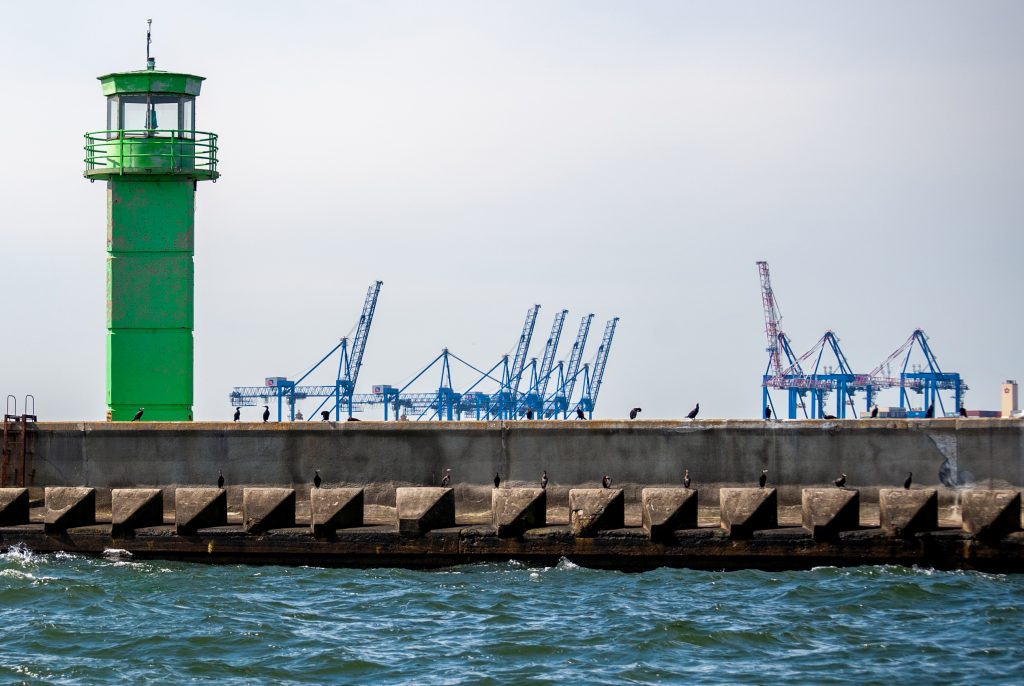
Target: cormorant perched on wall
x,y
686,478
634,412
580,414
529,413
238,413
606,482
841,481
693,412
930,412
138,415
497,479
325,415
316,478
544,479
828,416
447,478
266,413
767,413
874,412
963,411
352,419
220,479
910,478
764,478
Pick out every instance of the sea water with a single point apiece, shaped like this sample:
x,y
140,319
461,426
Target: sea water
x,y
68,619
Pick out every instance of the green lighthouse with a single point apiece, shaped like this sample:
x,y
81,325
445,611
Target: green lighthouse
x,y
152,158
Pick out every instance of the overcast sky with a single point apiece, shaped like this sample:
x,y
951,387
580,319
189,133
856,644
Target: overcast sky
x,y
621,158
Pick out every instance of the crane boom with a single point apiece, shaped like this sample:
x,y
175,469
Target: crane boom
x,y
519,361
362,333
602,360
549,352
771,318
576,356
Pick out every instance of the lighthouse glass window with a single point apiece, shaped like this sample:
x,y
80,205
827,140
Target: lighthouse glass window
x,y
157,115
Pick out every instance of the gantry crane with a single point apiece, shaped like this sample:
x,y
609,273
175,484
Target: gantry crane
x,y
592,381
927,379
350,362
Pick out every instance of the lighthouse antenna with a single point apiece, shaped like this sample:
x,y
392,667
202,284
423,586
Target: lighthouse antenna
x,y
150,62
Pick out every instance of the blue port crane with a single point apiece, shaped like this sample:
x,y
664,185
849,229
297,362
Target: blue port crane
x,y
838,378
505,401
926,379
540,378
559,402
350,361
592,380
507,375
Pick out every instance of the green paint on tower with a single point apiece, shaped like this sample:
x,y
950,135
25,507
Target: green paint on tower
x,y
151,157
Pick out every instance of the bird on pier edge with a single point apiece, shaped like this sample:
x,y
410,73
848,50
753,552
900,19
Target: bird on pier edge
x,y
634,412
686,478
138,415
447,478
764,478
544,479
316,478
238,413
693,413
266,413
606,482
910,480
580,414
220,479
497,480
841,481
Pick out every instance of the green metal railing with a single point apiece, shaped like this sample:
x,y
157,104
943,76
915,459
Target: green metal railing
x,y
151,151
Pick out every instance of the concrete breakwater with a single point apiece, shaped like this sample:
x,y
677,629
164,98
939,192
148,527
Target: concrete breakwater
x,y
379,456
423,531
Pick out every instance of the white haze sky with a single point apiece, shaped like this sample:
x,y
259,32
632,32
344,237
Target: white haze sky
x,y
622,158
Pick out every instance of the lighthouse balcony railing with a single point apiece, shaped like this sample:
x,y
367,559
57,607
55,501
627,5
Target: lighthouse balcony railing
x,y
151,151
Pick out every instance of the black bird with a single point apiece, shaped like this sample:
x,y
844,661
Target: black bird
x,y
497,480
316,478
325,415
238,413
447,478
874,412
606,482
686,478
634,412
930,412
767,413
544,479
352,419
579,413
828,416
910,478
963,411
841,481
266,413
529,413
220,479
693,412
764,478
138,415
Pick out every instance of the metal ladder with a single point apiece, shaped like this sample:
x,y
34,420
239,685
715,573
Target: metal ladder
x,y
16,439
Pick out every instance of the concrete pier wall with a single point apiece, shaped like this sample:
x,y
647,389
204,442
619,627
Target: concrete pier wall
x,y
874,453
